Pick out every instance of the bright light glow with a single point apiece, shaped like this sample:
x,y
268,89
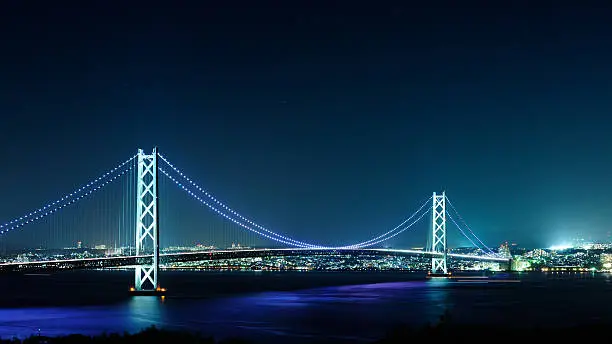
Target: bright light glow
x,y
560,247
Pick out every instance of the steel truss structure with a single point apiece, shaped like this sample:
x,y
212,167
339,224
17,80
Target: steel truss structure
x,y
438,263
147,221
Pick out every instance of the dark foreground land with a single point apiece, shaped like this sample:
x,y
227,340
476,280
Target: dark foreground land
x,y
442,332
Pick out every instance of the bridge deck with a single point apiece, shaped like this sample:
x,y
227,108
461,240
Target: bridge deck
x,y
117,261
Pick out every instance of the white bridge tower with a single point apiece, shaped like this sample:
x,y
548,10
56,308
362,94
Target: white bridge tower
x,y
147,223
438,261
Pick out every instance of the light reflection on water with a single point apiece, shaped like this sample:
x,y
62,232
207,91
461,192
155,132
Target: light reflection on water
x,y
136,314
360,311
144,311
328,312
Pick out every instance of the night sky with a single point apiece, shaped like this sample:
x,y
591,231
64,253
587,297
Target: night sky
x,y
325,122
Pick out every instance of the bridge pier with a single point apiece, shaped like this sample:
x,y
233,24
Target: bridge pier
x,y
147,225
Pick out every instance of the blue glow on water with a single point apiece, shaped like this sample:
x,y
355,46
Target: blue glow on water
x,y
343,312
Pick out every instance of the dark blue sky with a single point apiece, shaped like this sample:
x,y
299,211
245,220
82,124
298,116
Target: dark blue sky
x,y
328,122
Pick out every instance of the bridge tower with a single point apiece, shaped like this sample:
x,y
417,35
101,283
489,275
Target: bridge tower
x,y
438,262
147,224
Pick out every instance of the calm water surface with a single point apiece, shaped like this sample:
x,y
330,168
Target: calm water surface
x,y
281,307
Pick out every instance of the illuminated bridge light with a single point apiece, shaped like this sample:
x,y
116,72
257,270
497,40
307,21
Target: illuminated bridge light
x,y
295,247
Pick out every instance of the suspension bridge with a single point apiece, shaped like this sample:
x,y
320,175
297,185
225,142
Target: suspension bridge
x,y
128,219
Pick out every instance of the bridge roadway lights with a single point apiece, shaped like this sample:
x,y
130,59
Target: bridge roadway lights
x,y
438,275
156,292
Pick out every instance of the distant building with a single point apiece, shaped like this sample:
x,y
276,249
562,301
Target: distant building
x,y
79,244
606,260
100,247
504,251
537,253
520,264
